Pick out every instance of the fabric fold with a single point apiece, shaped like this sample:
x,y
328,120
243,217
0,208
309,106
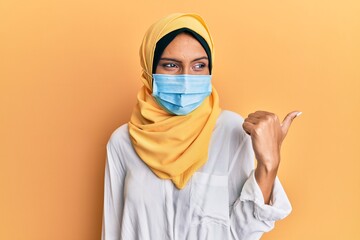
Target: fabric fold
x,y
280,206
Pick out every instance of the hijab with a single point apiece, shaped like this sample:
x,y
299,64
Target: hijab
x,y
173,147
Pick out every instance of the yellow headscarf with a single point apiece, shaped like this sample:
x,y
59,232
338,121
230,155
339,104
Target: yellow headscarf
x,y
173,147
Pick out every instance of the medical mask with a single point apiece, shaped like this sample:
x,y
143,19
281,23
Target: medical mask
x,y
181,94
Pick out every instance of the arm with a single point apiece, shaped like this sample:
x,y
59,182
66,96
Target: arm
x,y
250,217
267,135
113,193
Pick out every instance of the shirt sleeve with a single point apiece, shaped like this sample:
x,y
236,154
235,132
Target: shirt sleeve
x,y
113,193
250,217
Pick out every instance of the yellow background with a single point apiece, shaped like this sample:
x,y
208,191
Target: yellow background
x,y
69,74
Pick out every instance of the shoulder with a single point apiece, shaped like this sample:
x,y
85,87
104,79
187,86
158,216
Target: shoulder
x,y
119,137
229,117
230,121
118,147
229,124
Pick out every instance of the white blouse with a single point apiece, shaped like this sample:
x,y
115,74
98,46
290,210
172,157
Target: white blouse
x,y
221,201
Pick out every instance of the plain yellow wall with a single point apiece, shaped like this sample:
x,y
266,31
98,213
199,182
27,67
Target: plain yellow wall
x,y
69,74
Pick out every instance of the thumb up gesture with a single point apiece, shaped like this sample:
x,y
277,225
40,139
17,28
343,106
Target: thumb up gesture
x,y
267,134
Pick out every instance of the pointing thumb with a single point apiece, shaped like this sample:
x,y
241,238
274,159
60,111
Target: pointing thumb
x,y
285,125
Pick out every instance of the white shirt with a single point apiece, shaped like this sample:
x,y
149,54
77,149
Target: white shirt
x,y
221,201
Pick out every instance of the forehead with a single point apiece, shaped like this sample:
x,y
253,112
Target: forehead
x,y
184,43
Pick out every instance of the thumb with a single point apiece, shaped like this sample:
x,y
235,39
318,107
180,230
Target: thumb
x,y
285,125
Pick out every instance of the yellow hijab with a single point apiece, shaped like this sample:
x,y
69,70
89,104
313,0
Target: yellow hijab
x,y
173,147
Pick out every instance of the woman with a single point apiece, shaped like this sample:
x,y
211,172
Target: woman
x,y
182,168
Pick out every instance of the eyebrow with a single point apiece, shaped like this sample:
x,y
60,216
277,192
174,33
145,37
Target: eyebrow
x,y
176,60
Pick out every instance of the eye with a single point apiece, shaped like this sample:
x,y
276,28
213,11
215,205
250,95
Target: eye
x,y
199,66
169,65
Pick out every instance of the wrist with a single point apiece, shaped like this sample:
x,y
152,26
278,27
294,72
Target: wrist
x,y
268,165
267,169
265,177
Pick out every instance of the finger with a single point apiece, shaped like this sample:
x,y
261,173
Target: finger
x,y
256,115
252,120
262,113
285,125
247,126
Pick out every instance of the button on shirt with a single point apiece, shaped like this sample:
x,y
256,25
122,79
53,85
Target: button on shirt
x,y
221,201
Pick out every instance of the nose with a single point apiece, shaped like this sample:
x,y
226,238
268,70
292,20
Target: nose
x,y
186,70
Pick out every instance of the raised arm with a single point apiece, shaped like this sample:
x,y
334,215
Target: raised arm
x,y
267,135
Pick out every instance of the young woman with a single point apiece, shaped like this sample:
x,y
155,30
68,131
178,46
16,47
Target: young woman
x,y
182,168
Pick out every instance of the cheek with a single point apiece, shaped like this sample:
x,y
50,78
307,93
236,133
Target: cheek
x,y
160,70
207,71
157,69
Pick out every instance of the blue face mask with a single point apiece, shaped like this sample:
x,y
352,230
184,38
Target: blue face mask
x,y
181,94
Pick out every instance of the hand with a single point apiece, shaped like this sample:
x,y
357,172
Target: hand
x,y
267,135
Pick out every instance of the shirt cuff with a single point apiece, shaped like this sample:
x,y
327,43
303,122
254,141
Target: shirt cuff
x,y
279,207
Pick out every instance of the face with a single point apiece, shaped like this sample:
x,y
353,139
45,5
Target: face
x,y
184,55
